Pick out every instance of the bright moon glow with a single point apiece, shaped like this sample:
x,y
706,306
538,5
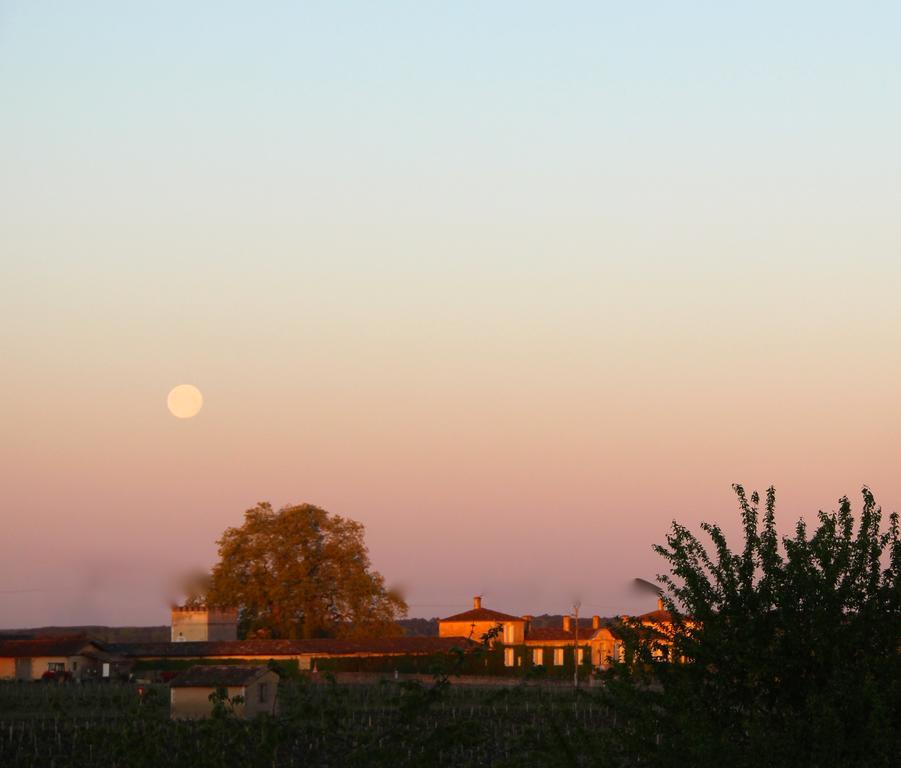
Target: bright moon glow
x,y
185,401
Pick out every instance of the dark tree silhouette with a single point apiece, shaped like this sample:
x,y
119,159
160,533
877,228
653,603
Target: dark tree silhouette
x,y
792,647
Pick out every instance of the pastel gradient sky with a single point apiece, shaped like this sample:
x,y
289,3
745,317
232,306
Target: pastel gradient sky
x,y
512,283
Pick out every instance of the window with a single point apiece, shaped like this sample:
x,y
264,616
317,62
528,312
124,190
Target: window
x,y
558,657
580,656
74,666
56,666
538,656
264,692
508,657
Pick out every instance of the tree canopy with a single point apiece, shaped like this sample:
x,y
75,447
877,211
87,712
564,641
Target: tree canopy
x,y
792,646
301,572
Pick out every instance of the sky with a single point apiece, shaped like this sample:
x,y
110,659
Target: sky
x,y
514,284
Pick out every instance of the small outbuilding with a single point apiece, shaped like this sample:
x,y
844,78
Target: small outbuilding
x,y
190,692
61,657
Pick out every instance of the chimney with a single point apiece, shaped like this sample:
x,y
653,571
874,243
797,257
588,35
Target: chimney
x,y
595,622
477,602
567,624
659,603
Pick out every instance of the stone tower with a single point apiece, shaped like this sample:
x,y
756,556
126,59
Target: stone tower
x,y
204,624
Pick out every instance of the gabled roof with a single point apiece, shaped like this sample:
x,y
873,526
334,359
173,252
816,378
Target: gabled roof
x,y
62,645
613,629
482,614
209,676
273,648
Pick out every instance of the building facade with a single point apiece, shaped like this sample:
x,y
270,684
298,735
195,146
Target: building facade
x,y
63,657
251,691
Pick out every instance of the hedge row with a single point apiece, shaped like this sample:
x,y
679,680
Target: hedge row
x,y
485,663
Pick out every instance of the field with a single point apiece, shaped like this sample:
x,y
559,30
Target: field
x,y
388,724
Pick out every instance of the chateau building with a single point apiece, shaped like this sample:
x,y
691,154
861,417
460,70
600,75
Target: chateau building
x,y
595,642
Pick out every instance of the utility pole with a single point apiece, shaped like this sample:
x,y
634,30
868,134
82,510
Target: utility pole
x,y
576,607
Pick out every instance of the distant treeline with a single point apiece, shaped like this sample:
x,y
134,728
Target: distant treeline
x,y
161,634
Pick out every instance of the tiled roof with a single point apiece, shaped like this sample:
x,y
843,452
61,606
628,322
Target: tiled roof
x,y
482,614
558,633
62,645
272,648
657,617
207,676
584,624
547,634
613,629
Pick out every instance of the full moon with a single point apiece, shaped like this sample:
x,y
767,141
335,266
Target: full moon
x,y
185,401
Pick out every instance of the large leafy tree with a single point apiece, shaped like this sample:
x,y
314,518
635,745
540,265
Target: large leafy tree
x,y
793,647
301,572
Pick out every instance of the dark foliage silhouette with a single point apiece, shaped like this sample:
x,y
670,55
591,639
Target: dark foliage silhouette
x,y
792,647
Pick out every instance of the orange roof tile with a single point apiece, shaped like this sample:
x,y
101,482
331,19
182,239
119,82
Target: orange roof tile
x,y
483,614
212,676
272,648
61,645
